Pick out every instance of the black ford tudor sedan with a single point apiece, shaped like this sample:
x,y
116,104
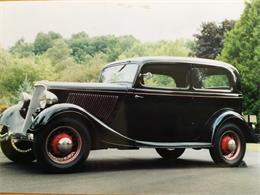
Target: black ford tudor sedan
x,y
166,103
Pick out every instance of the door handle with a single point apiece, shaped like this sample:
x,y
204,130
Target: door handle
x,y
139,97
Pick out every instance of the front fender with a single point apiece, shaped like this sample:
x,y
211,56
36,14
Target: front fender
x,y
49,113
104,132
12,119
223,116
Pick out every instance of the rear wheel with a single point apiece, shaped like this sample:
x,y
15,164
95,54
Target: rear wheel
x,y
63,146
229,145
170,153
15,150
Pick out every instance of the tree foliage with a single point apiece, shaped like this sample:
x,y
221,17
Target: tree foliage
x,y
44,41
242,49
59,52
22,49
19,69
209,41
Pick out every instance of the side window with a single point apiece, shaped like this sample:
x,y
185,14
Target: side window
x,y
160,81
165,76
210,78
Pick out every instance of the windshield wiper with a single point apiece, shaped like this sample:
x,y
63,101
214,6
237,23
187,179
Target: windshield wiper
x,y
122,68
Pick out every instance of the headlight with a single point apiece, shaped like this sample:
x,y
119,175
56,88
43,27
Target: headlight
x,y
25,97
43,103
47,98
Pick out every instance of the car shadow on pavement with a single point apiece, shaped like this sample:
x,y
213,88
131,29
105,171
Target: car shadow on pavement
x,y
135,164
98,165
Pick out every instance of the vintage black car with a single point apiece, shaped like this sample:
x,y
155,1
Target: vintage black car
x,y
166,103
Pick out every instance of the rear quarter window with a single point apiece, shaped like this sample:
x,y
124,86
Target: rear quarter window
x,y
211,78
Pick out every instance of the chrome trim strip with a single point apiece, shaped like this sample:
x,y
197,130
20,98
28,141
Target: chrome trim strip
x,y
184,93
143,144
174,144
191,95
116,144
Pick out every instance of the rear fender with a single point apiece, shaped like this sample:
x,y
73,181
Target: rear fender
x,y
225,116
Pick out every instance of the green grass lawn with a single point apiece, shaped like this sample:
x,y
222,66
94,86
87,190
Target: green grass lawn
x,y
253,147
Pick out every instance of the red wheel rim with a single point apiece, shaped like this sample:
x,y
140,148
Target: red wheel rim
x,y
63,145
230,145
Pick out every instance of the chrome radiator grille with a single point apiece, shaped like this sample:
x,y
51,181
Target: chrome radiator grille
x,y
100,106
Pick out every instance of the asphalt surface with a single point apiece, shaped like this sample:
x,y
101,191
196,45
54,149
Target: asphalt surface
x,y
137,172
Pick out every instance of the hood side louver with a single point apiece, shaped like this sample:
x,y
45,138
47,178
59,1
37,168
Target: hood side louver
x,y
100,106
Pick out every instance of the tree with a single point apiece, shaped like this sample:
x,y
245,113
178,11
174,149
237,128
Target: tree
x,y
5,59
79,44
166,48
22,49
18,70
44,41
109,45
209,42
87,72
242,49
59,51
54,35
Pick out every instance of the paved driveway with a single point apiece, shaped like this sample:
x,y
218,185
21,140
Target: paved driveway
x,y
137,172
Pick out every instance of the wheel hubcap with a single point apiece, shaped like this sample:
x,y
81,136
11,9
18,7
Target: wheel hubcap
x,y
230,145
63,145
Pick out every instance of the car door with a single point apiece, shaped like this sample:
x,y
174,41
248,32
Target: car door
x,y
158,107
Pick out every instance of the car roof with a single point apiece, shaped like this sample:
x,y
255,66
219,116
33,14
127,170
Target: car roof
x,y
171,59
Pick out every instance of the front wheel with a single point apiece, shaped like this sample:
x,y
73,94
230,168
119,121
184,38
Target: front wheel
x,y
15,150
229,145
170,153
63,146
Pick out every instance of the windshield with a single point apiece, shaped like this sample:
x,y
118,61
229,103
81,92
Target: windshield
x,y
118,74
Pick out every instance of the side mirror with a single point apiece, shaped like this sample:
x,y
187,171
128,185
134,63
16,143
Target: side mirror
x,y
147,75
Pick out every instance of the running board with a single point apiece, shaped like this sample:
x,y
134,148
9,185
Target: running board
x,y
143,144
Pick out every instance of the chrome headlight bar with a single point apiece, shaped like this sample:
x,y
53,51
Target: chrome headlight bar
x,y
40,99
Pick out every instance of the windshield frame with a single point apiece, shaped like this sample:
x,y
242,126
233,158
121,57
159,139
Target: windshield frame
x,y
121,64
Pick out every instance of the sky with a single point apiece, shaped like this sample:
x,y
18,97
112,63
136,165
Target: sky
x,y
147,20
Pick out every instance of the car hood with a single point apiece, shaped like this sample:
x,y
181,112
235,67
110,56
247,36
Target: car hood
x,y
86,86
